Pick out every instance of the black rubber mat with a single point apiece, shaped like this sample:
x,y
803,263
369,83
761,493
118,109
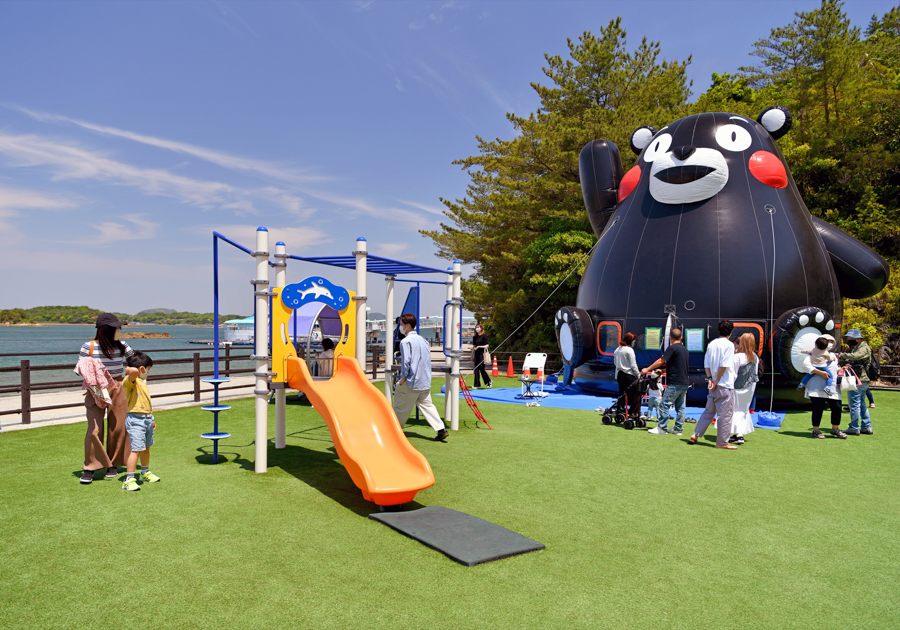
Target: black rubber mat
x,y
465,538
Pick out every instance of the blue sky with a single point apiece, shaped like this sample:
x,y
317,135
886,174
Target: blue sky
x,y
130,130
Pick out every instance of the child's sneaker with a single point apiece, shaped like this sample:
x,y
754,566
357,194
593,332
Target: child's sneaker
x,y
828,390
131,485
801,386
149,477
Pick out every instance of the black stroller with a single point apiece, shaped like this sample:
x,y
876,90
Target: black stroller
x,y
618,411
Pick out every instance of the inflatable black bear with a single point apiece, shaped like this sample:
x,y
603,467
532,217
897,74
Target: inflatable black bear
x,y
707,225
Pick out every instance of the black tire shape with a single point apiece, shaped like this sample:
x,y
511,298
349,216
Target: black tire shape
x,y
606,419
786,328
582,330
628,425
641,423
620,418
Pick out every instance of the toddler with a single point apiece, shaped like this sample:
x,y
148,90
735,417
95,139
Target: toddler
x,y
139,422
820,356
654,395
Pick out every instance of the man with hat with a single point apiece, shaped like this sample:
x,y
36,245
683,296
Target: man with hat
x,y
859,357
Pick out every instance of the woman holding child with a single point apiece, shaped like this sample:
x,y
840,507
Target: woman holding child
x,y
822,396
111,352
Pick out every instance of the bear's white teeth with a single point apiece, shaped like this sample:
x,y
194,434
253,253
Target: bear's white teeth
x,y
703,174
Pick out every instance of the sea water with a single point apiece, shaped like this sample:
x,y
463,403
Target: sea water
x,y
31,339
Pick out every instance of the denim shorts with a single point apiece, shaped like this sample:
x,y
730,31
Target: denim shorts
x,y
140,431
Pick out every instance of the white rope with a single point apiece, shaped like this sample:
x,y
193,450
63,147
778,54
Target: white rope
x,y
524,321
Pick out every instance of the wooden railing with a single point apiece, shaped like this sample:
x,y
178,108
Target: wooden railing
x,y
25,387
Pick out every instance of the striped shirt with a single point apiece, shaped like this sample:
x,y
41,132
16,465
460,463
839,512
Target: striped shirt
x,y
114,366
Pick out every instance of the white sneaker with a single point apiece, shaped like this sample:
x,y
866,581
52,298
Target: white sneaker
x,y
657,431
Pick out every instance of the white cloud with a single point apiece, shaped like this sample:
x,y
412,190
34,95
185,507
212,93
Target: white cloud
x,y
415,26
112,232
390,249
220,158
71,162
295,238
438,210
20,199
363,5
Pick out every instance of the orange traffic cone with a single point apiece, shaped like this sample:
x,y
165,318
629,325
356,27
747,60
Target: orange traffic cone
x,y
494,370
509,370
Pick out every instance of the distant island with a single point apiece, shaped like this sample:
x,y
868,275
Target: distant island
x,y
145,335
87,315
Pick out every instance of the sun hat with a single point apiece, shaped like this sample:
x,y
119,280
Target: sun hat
x,y
853,333
108,319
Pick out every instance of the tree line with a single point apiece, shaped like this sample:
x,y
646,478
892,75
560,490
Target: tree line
x,y
522,223
87,315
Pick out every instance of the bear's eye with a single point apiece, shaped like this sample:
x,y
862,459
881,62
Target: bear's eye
x,y
733,137
657,147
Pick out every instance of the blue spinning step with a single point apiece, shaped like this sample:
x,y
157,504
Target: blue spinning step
x,y
215,408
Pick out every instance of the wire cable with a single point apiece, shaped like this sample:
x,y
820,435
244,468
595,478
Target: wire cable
x,y
524,321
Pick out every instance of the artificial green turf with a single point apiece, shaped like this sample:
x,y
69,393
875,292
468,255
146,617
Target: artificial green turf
x,y
641,531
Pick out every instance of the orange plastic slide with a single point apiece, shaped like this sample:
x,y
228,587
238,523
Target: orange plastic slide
x,y
366,434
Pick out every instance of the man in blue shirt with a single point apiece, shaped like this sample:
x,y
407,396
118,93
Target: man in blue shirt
x,y
414,388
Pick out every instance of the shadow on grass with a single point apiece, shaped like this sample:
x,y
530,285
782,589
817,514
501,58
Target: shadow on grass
x,y
321,470
806,434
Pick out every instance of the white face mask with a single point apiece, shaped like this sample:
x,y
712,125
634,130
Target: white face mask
x,y
478,331
142,375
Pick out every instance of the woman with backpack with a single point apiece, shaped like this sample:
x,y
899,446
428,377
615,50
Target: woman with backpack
x,y
859,358
746,368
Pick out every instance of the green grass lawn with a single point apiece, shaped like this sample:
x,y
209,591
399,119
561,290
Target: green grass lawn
x,y
641,531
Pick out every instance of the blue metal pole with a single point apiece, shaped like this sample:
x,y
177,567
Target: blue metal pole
x,y
216,344
216,305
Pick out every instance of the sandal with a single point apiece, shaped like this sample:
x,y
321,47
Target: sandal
x,y
692,439
818,434
839,434
728,447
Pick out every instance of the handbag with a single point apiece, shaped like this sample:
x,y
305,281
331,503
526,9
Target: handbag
x,y
487,357
849,380
747,375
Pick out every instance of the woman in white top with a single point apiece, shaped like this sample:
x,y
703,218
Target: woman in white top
x,y
742,421
815,391
627,373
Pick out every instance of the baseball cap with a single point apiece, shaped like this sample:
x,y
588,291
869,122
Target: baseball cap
x,y
108,319
853,333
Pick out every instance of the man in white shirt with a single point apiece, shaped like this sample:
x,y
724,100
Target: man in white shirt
x,y
720,401
414,388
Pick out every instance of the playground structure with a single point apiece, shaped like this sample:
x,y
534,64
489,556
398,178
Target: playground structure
x,y
362,423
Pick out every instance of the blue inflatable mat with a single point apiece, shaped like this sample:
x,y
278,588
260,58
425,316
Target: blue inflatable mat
x,y
573,398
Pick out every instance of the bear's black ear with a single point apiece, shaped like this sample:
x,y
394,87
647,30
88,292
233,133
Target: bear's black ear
x,y
641,137
776,119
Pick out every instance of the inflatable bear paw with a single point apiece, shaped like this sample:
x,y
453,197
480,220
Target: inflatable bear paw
x,y
796,331
575,336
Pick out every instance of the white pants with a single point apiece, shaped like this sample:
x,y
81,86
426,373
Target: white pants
x,y
405,399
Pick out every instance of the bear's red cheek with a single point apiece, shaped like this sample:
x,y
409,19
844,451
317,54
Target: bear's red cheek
x,y
767,168
628,183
